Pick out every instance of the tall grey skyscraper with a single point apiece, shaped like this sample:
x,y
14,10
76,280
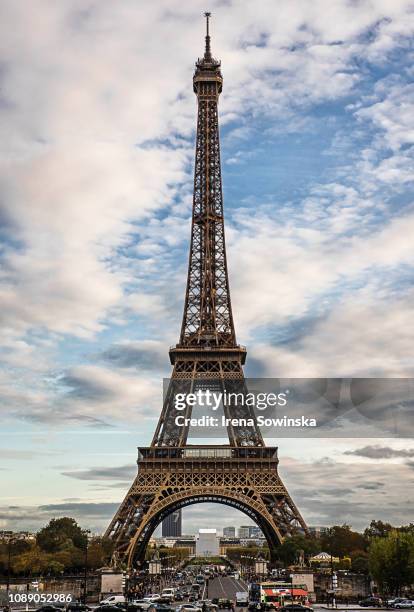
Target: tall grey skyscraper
x,y
172,525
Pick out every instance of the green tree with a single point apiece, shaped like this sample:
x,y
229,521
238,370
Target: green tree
x,y
378,529
17,548
341,540
407,528
391,561
359,562
58,533
32,562
99,552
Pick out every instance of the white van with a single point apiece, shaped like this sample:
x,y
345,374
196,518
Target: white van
x,y
169,593
112,600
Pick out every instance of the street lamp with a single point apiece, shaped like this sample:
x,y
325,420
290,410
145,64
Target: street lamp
x,y
334,577
85,578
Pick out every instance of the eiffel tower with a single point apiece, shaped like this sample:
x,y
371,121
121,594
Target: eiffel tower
x,y
173,474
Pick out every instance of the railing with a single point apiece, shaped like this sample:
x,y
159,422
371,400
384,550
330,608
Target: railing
x,y
185,347
207,452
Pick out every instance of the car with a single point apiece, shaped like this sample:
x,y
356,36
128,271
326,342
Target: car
x,y
188,608
76,606
112,600
142,604
296,608
106,608
179,596
370,602
242,599
152,597
160,607
225,603
394,600
404,603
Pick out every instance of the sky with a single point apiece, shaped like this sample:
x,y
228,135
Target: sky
x,y
97,142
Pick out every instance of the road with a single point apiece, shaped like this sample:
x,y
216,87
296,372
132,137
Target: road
x,y
225,587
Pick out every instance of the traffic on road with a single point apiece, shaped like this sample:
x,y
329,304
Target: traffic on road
x,y
211,589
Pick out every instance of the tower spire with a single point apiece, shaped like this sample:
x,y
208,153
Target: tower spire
x,y
207,52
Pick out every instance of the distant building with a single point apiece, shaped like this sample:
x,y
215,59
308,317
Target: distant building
x,y
182,541
166,542
244,531
226,543
255,532
172,525
252,541
229,532
207,543
7,534
318,531
187,542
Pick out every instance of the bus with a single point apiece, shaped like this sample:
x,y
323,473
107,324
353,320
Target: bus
x,y
278,594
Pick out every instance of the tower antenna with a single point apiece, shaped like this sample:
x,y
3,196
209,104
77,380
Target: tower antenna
x,y
207,53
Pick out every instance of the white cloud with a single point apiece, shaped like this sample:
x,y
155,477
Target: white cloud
x,y
83,85
348,493
109,394
97,121
369,336
287,266
393,114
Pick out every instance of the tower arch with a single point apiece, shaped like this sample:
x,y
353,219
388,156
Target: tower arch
x,y
241,502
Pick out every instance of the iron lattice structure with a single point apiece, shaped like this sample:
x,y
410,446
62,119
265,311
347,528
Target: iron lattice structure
x,y
171,473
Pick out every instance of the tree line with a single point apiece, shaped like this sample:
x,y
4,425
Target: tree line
x,y
58,548
384,552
